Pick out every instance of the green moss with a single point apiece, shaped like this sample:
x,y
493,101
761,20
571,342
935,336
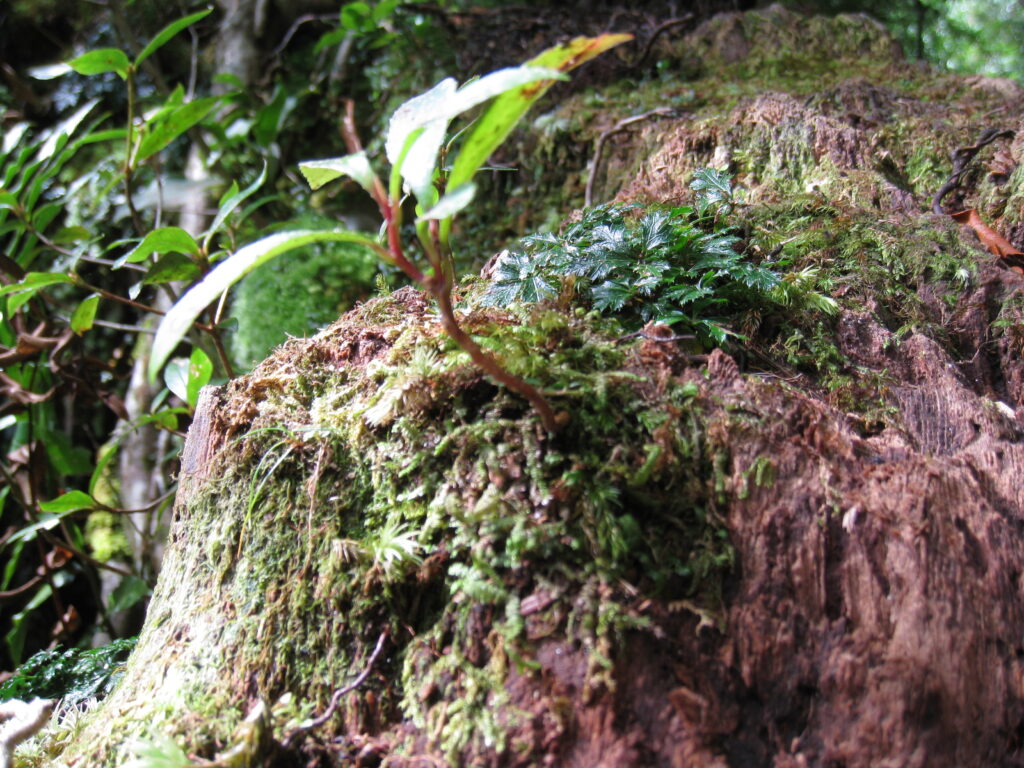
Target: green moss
x,y
296,295
427,503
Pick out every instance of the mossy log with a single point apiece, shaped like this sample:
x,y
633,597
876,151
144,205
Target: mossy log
x,y
804,553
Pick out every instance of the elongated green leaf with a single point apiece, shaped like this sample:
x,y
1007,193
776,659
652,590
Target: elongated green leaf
x,y
356,16
171,267
431,112
102,60
177,322
72,501
163,240
107,453
64,129
499,119
165,34
176,377
33,281
319,172
171,127
85,314
127,593
414,114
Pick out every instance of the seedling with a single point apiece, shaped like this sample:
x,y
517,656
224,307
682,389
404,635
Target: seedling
x,y
416,134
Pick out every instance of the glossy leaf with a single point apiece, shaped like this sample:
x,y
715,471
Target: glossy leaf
x,y
170,268
178,321
200,370
499,119
84,315
171,127
230,201
160,241
451,203
72,501
168,32
176,377
102,60
31,284
432,111
128,593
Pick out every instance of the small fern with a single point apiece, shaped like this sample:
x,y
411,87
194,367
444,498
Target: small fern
x,y
673,267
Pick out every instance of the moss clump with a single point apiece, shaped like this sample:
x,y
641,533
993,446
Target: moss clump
x,y
408,495
296,295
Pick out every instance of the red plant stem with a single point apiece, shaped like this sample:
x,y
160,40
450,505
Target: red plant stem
x,y
439,284
489,365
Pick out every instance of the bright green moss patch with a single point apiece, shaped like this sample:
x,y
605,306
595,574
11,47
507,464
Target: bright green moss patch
x,y
296,295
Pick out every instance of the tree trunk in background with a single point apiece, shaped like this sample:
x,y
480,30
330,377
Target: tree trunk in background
x,y
142,477
816,563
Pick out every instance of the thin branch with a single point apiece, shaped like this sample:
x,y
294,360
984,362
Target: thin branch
x,y
492,367
116,297
80,554
619,127
962,157
658,32
336,698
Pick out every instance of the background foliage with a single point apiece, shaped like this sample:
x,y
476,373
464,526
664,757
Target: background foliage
x,y
94,165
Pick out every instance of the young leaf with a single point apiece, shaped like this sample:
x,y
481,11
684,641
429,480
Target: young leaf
x,y
163,240
499,119
171,127
319,172
84,314
165,34
72,501
432,111
177,322
231,200
35,281
200,369
102,60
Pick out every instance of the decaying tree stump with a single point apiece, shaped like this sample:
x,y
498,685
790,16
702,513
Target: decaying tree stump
x,y
805,553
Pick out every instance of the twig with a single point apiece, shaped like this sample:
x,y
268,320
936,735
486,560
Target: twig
x,y
619,127
304,19
962,157
336,698
658,32
644,333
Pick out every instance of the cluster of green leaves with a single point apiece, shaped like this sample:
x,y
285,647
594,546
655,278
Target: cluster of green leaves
x,y
679,267
72,674
79,277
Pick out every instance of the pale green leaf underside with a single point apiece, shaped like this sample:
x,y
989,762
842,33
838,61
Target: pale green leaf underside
x,y
319,172
433,110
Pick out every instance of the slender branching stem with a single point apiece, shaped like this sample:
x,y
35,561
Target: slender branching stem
x,y
489,365
116,297
439,280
